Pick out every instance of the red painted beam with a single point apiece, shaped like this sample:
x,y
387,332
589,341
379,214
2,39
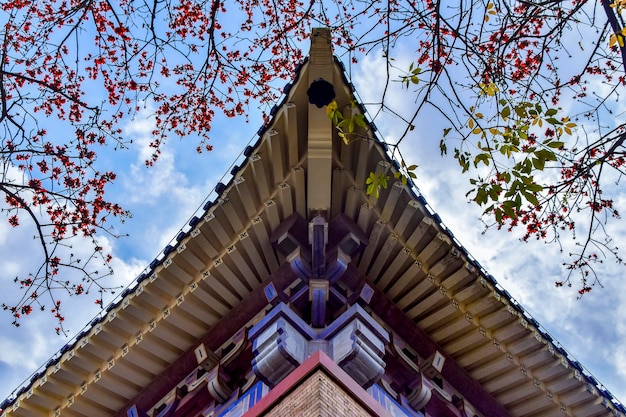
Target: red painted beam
x,y
317,361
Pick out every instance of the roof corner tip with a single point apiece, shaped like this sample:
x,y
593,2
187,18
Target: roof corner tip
x,y
321,47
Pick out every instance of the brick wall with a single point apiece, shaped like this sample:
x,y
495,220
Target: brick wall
x,y
318,396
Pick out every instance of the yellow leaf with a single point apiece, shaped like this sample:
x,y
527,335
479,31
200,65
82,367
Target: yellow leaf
x,y
617,39
470,123
331,109
490,89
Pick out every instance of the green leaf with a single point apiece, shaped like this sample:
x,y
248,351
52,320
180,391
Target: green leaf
x,y
546,155
509,209
532,199
442,147
462,158
506,150
359,120
498,214
556,145
494,192
481,196
482,157
375,182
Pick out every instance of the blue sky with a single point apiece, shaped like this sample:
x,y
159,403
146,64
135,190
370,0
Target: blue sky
x,y
164,197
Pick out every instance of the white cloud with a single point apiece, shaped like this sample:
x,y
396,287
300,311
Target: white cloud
x,y
31,354
147,184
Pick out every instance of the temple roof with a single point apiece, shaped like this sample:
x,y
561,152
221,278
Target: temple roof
x,y
213,279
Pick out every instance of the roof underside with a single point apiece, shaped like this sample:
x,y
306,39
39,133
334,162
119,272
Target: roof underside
x,y
203,288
